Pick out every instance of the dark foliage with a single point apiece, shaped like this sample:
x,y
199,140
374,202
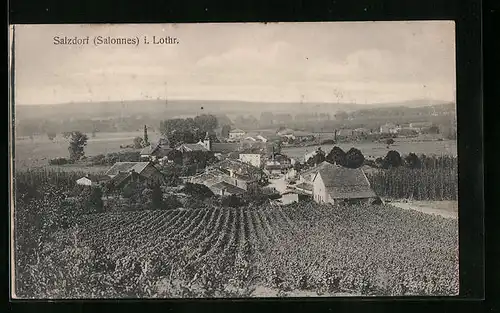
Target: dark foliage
x,y
94,202
354,158
392,159
412,161
77,144
197,191
336,155
157,197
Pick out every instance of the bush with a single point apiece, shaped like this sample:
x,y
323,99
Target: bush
x,y
197,190
412,161
94,201
59,161
171,202
157,197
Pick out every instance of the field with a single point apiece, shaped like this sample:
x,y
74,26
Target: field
x,y
224,252
374,150
38,152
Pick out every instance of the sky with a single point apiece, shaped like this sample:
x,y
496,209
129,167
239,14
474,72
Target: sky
x,y
364,62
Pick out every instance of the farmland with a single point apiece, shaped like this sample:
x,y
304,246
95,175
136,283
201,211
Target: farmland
x,y
234,252
36,153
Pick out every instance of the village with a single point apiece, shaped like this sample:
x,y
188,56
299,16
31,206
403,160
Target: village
x,y
245,164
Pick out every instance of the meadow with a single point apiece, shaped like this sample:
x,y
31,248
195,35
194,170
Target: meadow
x,y
37,152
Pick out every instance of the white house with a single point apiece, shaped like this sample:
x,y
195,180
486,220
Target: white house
x,y
84,181
92,180
236,133
388,128
254,159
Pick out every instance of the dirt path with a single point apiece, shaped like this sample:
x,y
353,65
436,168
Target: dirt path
x,y
447,209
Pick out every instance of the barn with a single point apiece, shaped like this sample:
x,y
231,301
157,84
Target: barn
x,y
337,184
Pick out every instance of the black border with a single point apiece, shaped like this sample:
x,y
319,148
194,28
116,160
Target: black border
x,y
466,13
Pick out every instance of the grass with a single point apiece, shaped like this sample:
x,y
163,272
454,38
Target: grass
x,y
38,152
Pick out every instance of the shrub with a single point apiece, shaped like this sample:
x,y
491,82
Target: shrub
x,y
197,190
59,161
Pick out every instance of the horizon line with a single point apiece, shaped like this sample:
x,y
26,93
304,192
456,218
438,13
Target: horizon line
x,y
234,100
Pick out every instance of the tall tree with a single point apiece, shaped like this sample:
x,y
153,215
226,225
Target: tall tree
x,y
225,131
354,158
392,159
157,197
336,155
138,142
412,161
94,201
205,123
77,144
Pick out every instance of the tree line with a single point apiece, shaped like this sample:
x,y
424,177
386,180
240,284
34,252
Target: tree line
x,y
354,158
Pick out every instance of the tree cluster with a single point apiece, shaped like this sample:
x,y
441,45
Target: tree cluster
x,y
189,130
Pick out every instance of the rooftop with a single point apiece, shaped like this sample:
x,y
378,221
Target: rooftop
x,y
118,167
343,183
227,187
224,147
194,147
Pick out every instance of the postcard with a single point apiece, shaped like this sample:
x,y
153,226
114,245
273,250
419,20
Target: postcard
x,y
233,160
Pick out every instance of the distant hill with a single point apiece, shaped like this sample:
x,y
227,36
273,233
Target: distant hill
x,y
183,108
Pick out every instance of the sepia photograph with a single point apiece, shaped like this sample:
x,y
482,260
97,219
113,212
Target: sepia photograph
x,y
233,160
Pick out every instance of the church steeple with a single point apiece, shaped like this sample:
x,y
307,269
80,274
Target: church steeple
x,y
207,142
146,140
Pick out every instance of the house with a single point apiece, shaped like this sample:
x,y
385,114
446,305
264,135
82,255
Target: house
x,y
238,173
145,171
92,180
123,178
213,176
207,145
333,183
236,133
224,147
419,127
210,177
225,189
278,164
388,128
254,159
189,147
285,132
156,151
291,196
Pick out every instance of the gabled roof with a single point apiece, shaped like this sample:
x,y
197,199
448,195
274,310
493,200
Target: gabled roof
x,y
163,143
304,186
193,147
118,167
345,183
210,175
120,178
224,147
146,150
236,130
227,187
315,169
94,177
236,166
